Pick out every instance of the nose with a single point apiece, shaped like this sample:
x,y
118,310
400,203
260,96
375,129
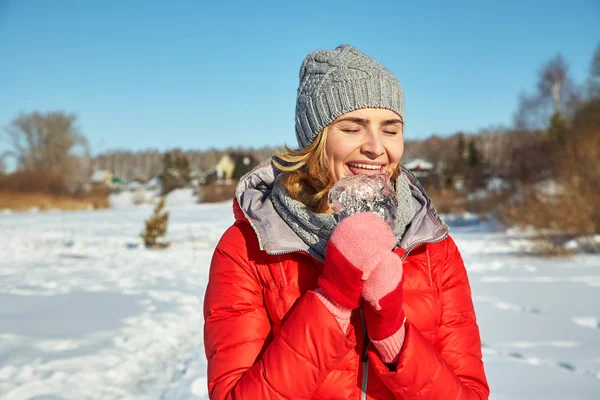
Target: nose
x,y
372,145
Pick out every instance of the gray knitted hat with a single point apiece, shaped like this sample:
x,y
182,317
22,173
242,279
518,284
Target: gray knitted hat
x,y
334,82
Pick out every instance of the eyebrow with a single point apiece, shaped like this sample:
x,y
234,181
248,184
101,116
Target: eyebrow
x,y
392,121
366,121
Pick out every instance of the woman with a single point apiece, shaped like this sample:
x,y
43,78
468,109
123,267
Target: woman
x,y
301,307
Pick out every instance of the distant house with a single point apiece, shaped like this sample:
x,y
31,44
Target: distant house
x,y
233,166
225,167
101,176
101,179
421,168
419,165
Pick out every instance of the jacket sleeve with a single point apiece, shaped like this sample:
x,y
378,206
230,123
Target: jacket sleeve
x,y
237,328
451,367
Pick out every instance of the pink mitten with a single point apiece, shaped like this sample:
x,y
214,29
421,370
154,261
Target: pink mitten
x,y
356,247
384,315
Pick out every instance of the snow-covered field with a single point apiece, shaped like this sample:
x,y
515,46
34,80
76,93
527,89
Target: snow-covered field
x,y
87,313
539,318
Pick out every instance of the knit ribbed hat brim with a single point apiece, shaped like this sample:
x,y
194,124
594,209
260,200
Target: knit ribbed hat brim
x,y
333,83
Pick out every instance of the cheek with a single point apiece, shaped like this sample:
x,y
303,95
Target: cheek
x,y
330,156
331,161
336,166
399,154
335,150
394,149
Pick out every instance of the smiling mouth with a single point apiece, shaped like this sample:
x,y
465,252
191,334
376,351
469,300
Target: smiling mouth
x,y
365,169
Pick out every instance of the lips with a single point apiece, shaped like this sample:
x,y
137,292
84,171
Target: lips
x,y
358,168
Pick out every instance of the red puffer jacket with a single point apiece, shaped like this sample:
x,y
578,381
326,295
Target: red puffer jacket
x,y
267,336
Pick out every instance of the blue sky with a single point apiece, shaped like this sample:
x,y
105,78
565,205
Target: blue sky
x,y
197,74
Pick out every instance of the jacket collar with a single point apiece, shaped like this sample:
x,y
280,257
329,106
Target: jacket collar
x,y
252,203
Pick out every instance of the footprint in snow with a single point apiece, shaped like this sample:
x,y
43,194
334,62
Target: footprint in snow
x,y
506,306
587,322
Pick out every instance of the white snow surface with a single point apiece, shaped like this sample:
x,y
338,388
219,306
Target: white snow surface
x,y
86,312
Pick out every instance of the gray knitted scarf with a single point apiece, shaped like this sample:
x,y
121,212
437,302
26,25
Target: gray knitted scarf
x,y
316,228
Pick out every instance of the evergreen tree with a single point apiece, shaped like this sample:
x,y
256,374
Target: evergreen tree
x,y
475,166
243,165
474,157
176,172
156,227
553,142
558,128
460,147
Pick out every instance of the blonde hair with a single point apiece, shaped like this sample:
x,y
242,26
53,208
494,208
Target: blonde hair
x,y
305,174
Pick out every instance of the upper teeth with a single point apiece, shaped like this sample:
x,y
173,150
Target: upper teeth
x,y
365,166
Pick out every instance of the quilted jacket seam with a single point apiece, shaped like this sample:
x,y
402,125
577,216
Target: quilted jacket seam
x,y
245,258
303,357
326,373
429,384
263,373
228,347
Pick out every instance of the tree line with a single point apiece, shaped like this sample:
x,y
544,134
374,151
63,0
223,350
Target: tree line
x,y
53,144
145,164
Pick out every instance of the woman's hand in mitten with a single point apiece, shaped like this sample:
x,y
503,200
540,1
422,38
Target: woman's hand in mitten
x,y
357,246
383,311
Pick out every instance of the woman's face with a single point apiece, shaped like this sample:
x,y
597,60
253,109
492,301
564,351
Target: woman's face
x,y
367,141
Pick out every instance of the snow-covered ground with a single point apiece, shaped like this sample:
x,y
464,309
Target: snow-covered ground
x,y
539,318
87,313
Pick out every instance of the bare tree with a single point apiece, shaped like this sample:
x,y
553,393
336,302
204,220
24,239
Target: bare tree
x,y
264,152
593,81
555,93
48,142
149,163
210,159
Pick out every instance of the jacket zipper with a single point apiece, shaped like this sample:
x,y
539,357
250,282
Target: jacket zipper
x,y
412,247
281,270
364,358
